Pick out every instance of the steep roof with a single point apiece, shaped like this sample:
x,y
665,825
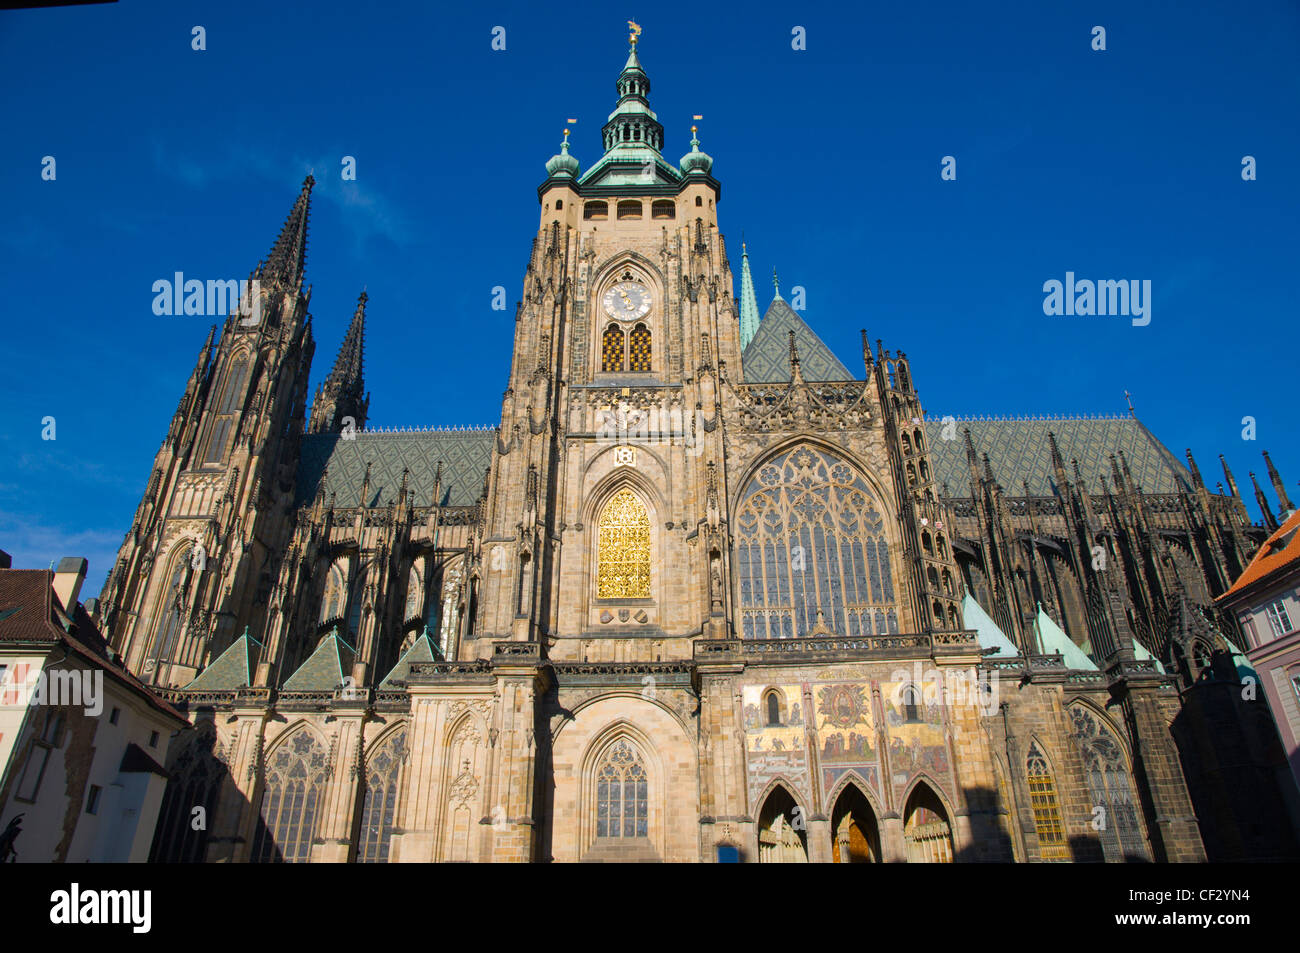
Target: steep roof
x,y
230,670
325,668
1280,552
986,630
1054,639
465,456
766,360
421,650
1018,450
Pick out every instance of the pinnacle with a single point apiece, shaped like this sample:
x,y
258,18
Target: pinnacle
x,y
288,258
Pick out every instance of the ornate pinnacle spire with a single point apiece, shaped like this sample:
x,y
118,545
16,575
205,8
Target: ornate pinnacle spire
x,y
776,286
1269,520
288,259
748,302
1232,484
1284,504
343,394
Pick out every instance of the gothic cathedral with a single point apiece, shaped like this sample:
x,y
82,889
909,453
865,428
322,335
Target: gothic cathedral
x,y
704,595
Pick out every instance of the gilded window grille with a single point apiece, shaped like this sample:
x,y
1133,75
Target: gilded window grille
x,y
623,549
810,539
1047,812
611,349
639,349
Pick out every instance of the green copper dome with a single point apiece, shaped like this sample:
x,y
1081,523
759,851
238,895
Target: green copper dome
x,y
695,160
562,164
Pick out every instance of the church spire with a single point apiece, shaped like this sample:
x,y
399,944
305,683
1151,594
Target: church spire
x,y
1283,501
748,302
287,262
343,395
633,128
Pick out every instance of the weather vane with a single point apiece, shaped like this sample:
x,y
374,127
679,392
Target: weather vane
x,y
636,31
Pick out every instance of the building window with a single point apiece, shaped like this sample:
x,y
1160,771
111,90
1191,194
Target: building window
x,y
911,711
611,349
663,208
380,805
1295,686
1278,619
226,412
38,755
196,774
331,604
811,549
596,210
623,554
92,799
296,776
153,739
113,716
1110,788
1047,812
622,794
173,616
629,209
638,358
773,709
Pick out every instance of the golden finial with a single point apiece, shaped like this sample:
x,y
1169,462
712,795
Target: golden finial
x,y
636,32
692,130
566,135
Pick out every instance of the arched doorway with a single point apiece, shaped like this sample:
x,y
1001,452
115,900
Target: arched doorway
x,y
855,837
782,830
926,829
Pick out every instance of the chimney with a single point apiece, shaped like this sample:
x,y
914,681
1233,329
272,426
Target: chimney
x,y
67,582
5,561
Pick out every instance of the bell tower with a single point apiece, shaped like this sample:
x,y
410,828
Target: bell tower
x,y
604,512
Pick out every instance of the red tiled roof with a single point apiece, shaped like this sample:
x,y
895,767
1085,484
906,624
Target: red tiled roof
x,y
1277,553
29,613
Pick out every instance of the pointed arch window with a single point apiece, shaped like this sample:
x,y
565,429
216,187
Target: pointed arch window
x,y
622,793
1110,787
623,541
638,352
612,344
810,540
195,781
296,777
226,409
334,598
1047,811
414,587
379,808
172,619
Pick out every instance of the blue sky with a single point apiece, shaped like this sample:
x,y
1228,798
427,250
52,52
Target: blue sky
x,y
1117,164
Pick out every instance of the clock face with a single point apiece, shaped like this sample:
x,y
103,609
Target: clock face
x,y
627,300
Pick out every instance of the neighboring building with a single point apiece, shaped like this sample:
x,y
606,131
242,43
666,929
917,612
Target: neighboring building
x,y
689,601
1266,602
82,742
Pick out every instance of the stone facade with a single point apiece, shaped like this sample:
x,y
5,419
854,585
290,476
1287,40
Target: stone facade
x,y
666,610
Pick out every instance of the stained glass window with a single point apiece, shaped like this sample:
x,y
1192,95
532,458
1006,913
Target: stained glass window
x,y
639,349
809,538
1047,812
611,349
195,782
1109,787
172,617
296,776
623,559
380,805
622,796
